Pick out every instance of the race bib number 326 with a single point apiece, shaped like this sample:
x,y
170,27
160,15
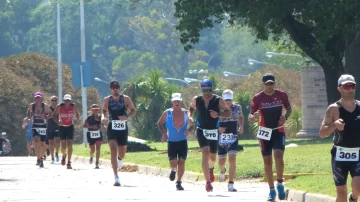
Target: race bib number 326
x,y
347,154
118,125
211,134
264,133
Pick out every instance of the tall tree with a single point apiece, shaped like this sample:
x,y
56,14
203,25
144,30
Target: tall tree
x,y
325,30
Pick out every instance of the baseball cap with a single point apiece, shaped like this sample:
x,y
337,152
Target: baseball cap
x,y
67,97
38,94
346,78
3,133
176,96
206,83
228,94
114,83
268,77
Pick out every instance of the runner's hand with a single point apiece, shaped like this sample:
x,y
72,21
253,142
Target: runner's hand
x,y
256,115
214,114
164,137
282,120
187,132
339,124
222,129
104,121
123,118
191,121
241,130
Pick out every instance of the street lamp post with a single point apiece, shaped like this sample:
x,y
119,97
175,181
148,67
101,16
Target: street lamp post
x,y
83,59
227,74
58,29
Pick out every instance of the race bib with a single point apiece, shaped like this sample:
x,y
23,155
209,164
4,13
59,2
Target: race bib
x,y
211,134
94,134
264,133
227,138
41,131
118,125
347,154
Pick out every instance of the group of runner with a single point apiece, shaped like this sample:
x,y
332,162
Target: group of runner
x,y
219,122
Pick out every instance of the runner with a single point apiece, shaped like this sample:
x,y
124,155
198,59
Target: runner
x,y
53,132
39,113
268,104
6,146
207,109
94,135
176,121
342,119
66,112
114,116
229,141
29,139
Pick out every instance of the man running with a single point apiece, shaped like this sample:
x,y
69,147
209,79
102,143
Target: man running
x,y
268,104
228,140
29,138
39,113
343,119
53,132
114,116
94,135
208,108
176,120
66,112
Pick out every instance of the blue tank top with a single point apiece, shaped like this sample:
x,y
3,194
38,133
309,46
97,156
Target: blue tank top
x,y
28,128
175,135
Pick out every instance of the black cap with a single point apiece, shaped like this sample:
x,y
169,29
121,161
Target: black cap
x,y
114,83
268,78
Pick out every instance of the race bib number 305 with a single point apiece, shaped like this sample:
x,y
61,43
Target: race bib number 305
x,y
211,134
264,133
94,134
347,154
118,125
227,138
41,131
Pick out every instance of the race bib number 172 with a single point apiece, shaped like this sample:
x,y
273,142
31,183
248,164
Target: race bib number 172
x,y
347,154
264,133
118,125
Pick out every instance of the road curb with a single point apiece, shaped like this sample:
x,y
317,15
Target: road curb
x,y
301,196
143,169
291,176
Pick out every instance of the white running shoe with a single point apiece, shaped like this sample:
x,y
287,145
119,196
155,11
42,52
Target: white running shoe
x,y
222,175
117,181
231,187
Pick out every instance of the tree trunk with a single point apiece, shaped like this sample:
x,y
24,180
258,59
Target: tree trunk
x,y
352,58
332,75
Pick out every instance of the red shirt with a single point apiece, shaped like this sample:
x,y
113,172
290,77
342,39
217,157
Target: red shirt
x,y
66,114
270,108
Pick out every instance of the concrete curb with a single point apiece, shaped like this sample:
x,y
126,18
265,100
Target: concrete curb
x,y
301,196
291,176
143,169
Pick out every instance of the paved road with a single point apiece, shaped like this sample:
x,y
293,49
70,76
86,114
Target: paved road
x,y
21,180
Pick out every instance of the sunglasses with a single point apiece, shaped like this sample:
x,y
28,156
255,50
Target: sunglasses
x,y
206,90
228,100
348,86
53,100
115,87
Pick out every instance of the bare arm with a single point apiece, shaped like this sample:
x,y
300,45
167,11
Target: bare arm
x,y
104,113
288,113
56,112
327,125
241,121
192,107
77,114
160,123
24,123
48,112
130,106
226,112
